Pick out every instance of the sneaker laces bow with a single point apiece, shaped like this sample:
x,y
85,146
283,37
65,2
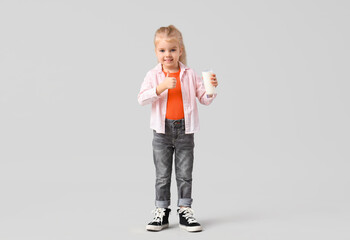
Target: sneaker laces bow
x,y
159,213
188,214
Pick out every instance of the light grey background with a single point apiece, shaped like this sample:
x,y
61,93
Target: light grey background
x,y
272,156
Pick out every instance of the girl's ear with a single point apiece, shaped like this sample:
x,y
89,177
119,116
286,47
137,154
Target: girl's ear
x,y
181,51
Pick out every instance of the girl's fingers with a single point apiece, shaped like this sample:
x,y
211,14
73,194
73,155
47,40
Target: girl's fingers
x,y
214,83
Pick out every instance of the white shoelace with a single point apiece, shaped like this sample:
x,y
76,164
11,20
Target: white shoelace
x,y
188,214
159,213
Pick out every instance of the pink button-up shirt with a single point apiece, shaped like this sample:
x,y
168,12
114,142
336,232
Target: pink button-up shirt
x,y
192,86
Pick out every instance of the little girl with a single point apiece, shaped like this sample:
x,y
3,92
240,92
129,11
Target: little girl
x,y
172,88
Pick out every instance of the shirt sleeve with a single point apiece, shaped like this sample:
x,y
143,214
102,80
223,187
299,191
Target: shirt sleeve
x,y
148,91
200,92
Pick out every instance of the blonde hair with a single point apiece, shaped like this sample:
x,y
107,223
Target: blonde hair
x,y
172,33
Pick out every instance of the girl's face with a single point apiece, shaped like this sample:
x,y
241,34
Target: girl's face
x,y
168,53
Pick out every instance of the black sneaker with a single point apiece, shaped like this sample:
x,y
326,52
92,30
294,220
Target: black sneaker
x,y
160,220
187,221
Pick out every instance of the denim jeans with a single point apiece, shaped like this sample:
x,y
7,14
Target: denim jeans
x,y
174,141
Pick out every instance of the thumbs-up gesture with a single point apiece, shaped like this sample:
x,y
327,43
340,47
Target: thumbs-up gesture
x,y
169,82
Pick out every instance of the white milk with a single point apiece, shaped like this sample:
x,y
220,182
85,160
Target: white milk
x,y
209,88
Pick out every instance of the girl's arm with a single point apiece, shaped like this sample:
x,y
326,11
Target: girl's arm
x,y
148,91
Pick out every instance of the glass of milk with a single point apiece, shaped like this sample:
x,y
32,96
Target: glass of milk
x,y
209,88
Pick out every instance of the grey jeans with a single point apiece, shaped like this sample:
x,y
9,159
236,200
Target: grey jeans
x,y
164,146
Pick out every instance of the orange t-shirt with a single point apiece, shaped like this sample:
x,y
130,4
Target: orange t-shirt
x,y
175,106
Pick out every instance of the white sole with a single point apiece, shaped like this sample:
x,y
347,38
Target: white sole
x,y
156,228
191,229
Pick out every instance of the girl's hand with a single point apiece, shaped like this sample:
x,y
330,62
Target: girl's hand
x,y
214,81
169,82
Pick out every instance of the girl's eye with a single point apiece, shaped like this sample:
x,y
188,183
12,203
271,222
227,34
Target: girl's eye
x,y
173,50
161,50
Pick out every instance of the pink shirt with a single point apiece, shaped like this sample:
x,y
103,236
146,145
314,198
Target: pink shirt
x,y
192,87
